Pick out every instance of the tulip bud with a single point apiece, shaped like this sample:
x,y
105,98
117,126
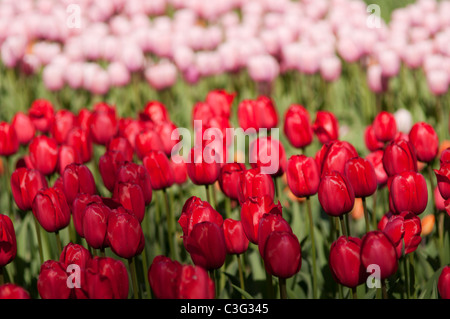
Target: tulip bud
x,y
62,123
194,283
121,144
136,174
220,102
303,175
146,141
444,283
75,254
384,126
408,192
154,111
443,180
404,232
282,254
229,179
131,197
377,249
362,177
103,123
12,291
334,155
107,278
235,239
159,169
9,144
376,158
76,179
78,209
203,167
257,114
41,114
24,128
445,157
267,224
253,183
326,127
336,195
52,281
399,156
425,141
108,165
95,224
81,142
268,154
44,154
51,209
371,141
297,126
179,168
8,241
163,276
25,183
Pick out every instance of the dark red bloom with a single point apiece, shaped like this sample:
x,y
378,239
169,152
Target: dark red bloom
x,y
194,283
257,114
408,192
51,209
63,122
326,127
297,126
103,123
377,249
121,144
268,154
108,165
154,111
41,114
80,140
444,283
303,175
384,126
203,167
163,276
372,143
220,102
229,179
361,175
404,232
336,195
334,155
8,243
443,180
253,183
67,155
376,158
43,154
146,141
136,174
77,178
95,224
25,183
12,291
425,141
235,239
179,168
268,224
399,156
79,207
107,278
52,281
159,169
75,254
9,144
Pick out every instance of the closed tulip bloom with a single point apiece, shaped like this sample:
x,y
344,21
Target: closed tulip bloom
x,y
206,245
253,183
80,140
282,254
438,199
235,239
43,154
41,114
267,224
372,143
404,232
133,173
297,126
194,283
24,128
443,180
79,205
203,167
146,141
334,155
121,144
444,283
74,254
122,224
131,197
83,119
252,210
384,126
376,158
67,155
303,175
377,248
9,144
229,179
52,281
154,111
159,169
107,278
163,277
268,154
445,157
95,224
361,175
108,166
51,209
326,127
103,123
425,141
12,291
220,102
25,184
336,195
257,114
345,262
399,156
63,122
77,178
8,243
408,192
179,169
165,130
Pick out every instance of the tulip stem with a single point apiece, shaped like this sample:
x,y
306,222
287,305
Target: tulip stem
x,y
269,285
8,186
406,273
354,294
39,239
145,273
383,289
227,207
102,252
282,284
169,224
343,226
241,273
2,277
208,195
374,210
412,275
58,244
439,217
366,215
132,265
313,246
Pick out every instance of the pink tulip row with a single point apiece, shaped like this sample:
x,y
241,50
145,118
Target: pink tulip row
x,y
205,38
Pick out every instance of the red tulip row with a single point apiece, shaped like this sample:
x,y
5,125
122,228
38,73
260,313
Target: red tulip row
x,y
337,174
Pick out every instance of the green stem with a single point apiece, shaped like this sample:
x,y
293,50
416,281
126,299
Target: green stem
x,y
227,207
269,285
354,294
2,277
241,273
343,226
102,252
132,265
412,275
383,289
58,244
169,224
39,239
8,188
145,273
282,284
208,195
313,246
439,217
406,273
366,215
374,211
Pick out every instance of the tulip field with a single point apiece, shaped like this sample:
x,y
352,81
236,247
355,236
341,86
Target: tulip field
x,y
260,149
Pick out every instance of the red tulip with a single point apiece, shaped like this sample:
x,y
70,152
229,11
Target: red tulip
x,y
438,199
107,278
303,175
326,127
445,157
220,102
51,209
63,122
297,126
268,224
202,111
425,141
229,179
361,175
95,224
203,167
103,123
408,192
121,144
52,281
444,283
345,262
268,154
136,174
371,141
9,144
399,156
404,232
376,158
179,168
253,183
163,276
12,291
206,245
384,126
79,207
41,114
252,210
443,180
165,130
122,224
159,169
77,178
75,254
194,283
108,165
24,128
67,155
80,140
44,154
235,239
25,183
334,155
282,254
377,249
154,111
83,119
8,243
146,141
130,128
131,197
336,195
257,114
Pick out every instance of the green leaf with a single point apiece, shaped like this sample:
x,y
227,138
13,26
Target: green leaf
x,y
242,292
